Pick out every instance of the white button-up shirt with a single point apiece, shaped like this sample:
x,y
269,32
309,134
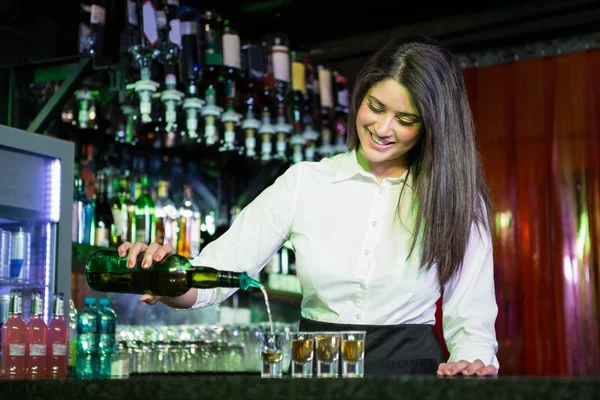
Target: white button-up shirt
x,y
351,248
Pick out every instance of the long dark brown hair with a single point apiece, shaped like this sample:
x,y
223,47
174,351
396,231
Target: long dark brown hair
x,y
450,189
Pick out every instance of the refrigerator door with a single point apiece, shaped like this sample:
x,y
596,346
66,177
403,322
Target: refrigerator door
x,y
35,216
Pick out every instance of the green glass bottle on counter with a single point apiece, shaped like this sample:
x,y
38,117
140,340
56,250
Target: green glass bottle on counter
x,y
106,271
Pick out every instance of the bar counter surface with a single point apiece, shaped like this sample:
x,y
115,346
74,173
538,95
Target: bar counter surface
x,y
252,387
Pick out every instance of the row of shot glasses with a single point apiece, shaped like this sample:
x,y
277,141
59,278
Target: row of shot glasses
x,y
315,354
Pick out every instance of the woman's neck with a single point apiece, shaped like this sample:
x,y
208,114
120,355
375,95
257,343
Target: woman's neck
x,y
385,169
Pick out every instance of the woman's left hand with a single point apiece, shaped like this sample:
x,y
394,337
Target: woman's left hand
x,y
463,367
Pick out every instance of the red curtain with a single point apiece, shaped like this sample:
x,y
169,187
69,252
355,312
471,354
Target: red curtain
x,y
537,129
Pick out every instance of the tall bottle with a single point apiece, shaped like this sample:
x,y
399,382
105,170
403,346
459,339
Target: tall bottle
x,y
104,225
87,341
37,334
106,271
14,339
106,336
57,342
189,225
120,204
144,219
72,350
83,215
167,227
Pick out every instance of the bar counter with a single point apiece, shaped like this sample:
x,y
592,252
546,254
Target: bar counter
x,y
252,387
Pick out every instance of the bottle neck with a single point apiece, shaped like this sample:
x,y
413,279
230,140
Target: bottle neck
x,y
58,310
15,305
205,278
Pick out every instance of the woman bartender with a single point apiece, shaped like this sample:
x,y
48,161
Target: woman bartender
x,y
380,230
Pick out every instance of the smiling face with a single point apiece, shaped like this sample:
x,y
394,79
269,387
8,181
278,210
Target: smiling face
x,y
388,126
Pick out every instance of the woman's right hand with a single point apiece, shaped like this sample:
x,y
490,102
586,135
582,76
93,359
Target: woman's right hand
x,y
152,252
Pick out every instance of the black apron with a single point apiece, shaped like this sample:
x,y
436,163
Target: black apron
x,y
406,349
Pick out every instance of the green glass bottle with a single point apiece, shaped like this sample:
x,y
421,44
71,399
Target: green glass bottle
x,y
106,271
144,219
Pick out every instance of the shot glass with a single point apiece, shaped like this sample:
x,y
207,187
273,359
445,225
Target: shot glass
x,y
327,350
353,354
272,354
302,349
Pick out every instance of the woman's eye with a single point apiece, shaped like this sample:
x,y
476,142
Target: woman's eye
x,y
375,109
405,122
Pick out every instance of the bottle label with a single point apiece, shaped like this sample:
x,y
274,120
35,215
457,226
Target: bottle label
x,y
343,98
298,76
326,87
102,238
16,350
37,350
150,24
97,15
59,349
175,32
231,51
132,16
281,63
120,218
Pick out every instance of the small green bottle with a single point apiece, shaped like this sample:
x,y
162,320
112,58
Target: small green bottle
x,y
173,276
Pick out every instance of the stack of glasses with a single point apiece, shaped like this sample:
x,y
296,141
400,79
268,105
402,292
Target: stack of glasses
x,y
320,354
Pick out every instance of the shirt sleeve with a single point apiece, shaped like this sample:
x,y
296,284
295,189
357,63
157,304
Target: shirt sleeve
x,y
256,234
469,305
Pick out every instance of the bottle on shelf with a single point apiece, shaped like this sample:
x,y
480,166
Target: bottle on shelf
x,y
57,342
87,341
14,338
72,350
83,214
37,335
144,224
106,271
167,226
189,225
104,225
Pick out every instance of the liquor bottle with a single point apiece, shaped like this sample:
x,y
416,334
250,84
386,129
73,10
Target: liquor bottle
x,y
326,97
167,227
57,342
189,225
14,339
119,205
104,225
83,215
297,141
340,110
106,271
37,334
97,22
144,218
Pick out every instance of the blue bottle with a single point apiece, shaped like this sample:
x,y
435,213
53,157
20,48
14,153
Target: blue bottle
x,y
86,366
107,338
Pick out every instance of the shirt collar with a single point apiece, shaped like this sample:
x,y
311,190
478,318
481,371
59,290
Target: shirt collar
x,y
348,168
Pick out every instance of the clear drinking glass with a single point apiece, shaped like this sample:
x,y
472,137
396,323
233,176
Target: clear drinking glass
x,y
272,354
327,350
302,351
353,354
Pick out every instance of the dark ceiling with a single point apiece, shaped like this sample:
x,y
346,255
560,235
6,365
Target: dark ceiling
x,y
331,29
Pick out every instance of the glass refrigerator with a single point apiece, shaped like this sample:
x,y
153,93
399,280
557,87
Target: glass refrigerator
x,y
36,191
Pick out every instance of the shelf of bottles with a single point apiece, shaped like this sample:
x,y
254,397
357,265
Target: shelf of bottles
x,y
188,87
191,79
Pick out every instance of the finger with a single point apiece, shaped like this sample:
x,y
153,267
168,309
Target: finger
x,y
475,366
149,299
134,252
149,253
490,370
456,367
163,252
124,248
441,368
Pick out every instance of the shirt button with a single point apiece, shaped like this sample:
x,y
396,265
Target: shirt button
x,y
380,190
357,316
374,223
367,252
